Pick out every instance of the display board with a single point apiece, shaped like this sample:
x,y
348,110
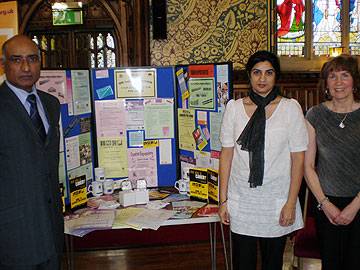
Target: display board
x,y
72,88
202,93
135,123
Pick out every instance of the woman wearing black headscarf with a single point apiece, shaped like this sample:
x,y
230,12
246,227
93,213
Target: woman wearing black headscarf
x,y
263,139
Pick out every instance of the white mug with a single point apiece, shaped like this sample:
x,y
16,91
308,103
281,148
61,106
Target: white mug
x,y
108,186
99,174
182,186
96,188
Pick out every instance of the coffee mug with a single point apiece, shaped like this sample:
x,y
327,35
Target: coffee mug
x,y
108,186
96,188
182,186
99,174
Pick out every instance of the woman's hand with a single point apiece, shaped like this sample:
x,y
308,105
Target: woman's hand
x,y
224,214
287,215
331,211
347,215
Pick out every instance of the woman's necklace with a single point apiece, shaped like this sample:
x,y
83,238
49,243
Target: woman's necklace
x,y
341,124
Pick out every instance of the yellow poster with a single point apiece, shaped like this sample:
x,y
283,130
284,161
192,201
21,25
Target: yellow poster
x,y
78,194
113,156
186,122
8,23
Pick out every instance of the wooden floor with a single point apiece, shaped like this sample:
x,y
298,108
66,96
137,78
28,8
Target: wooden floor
x,y
191,256
195,256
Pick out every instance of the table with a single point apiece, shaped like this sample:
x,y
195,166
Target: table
x,y
212,221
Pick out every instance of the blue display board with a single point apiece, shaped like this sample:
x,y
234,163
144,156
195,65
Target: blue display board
x,y
72,88
202,93
124,94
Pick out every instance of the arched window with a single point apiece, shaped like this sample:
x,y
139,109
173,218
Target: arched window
x,y
93,44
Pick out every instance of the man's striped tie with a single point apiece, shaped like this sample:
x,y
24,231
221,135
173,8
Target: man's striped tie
x,y
35,117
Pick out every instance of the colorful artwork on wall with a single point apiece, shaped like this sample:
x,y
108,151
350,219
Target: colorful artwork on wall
x,y
201,31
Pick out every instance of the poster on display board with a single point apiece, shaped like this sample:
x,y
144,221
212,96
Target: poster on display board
x,y
72,89
135,124
202,93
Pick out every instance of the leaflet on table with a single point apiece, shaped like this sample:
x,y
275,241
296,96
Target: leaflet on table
x,y
112,155
157,194
89,220
122,215
103,202
185,209
159,118
150,218
176,197
156,204
186,125
81,91
142,165
110,118
208,210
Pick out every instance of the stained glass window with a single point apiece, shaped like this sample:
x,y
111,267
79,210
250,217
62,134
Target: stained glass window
x,y
99,41
326,25
100,59
290,27
92,60
110,41
104,51
354,12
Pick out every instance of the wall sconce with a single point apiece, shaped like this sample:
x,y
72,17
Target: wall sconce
x,y
335,51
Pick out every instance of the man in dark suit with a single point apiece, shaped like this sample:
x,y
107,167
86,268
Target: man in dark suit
x,y
31,221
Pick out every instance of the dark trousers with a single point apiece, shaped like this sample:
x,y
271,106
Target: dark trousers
x,y
54,263
339,245
244,253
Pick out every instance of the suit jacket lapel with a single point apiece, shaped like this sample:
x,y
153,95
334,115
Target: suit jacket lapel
x,y
19,110
23,115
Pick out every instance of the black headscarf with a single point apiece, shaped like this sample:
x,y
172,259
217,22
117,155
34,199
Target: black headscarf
x,y
252,139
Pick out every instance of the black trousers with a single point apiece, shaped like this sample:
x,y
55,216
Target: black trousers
x,y
339,245
244,253
54,263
